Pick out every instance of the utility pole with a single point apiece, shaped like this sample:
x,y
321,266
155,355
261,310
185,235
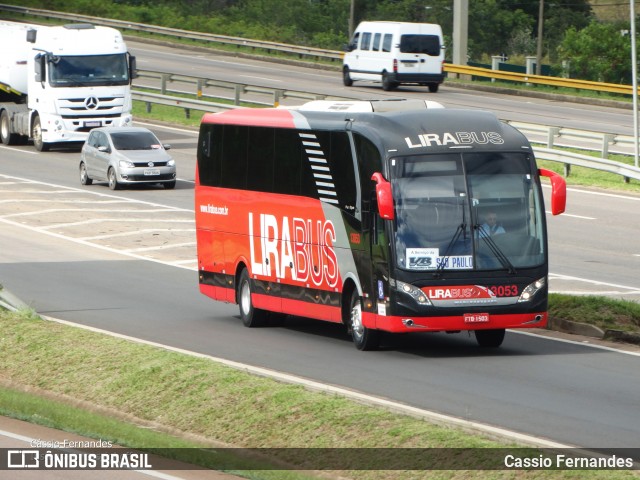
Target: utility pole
x,y
352,13
540,30
460,31
634,76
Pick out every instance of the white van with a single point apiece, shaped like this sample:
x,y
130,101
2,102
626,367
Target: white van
x,y
394,53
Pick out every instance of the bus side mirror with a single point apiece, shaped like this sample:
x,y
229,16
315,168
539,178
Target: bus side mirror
x,y
384,197
558,190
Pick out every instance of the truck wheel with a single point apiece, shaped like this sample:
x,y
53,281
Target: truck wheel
x,y
36,133
251,317
363,338
433,87
6,136
490,338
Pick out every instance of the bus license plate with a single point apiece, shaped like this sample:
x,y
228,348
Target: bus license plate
x,y
476,317
149,172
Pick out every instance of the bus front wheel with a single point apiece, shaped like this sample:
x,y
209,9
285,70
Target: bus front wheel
x,y
490,338
251,317
364,338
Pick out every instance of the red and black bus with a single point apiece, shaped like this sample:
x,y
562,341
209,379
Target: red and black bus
x,y
372,214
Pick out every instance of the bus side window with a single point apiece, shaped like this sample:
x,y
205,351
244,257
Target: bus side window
x,y
233,170
261,159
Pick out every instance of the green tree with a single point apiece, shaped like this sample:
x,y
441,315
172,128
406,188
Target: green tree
x,y
600,52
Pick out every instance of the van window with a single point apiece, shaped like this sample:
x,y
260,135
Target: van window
x,y
354,42
376,42
366,41
386,42
429,44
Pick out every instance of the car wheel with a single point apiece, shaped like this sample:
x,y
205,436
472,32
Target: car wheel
x,y
251,317
169,185
84,176
113,179
346,78
36,133
490,338
363,338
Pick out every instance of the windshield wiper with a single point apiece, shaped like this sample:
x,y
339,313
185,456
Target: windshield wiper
x,y
495,249
461,228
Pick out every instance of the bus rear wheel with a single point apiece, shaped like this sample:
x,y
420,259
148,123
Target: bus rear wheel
x,y
363,338
490,338
251,317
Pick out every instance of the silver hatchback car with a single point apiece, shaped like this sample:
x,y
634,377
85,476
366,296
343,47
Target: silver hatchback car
x,y
126,155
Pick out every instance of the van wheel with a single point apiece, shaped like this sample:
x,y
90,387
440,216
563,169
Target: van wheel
x,y
346,78
490,338
433,87
251,317
363,338
387,83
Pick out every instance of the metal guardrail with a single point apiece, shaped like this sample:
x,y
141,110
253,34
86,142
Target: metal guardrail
x,y
302,51
566,158
238,92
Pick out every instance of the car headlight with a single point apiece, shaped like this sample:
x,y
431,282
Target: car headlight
x,y
414,292
171,163
125,164
530,290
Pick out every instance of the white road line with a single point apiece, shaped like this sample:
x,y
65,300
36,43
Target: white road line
x,y
57,210
343,392
30,152
117,220
593,282
161,247
136,232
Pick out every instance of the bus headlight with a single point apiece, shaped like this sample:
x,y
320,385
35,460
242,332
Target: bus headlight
x,y
414,292
530,290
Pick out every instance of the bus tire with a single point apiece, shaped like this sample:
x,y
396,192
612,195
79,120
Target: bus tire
x,y
490,338
251,317
363,338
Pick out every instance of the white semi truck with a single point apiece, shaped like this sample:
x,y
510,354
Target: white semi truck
x,y
57,83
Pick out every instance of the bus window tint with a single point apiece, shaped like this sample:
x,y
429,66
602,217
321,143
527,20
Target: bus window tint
x,y
261,156
235,144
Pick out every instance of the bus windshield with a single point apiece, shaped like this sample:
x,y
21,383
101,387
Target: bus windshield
x,y
89,70
469,211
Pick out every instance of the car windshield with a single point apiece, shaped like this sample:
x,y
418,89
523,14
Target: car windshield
x,y
135,141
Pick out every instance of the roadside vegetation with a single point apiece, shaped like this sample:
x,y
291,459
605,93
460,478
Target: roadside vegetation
x,y
146,397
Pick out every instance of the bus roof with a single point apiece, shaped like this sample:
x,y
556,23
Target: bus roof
x,y
398,127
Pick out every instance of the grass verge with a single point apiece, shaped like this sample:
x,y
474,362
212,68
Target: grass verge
x,y
191,397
